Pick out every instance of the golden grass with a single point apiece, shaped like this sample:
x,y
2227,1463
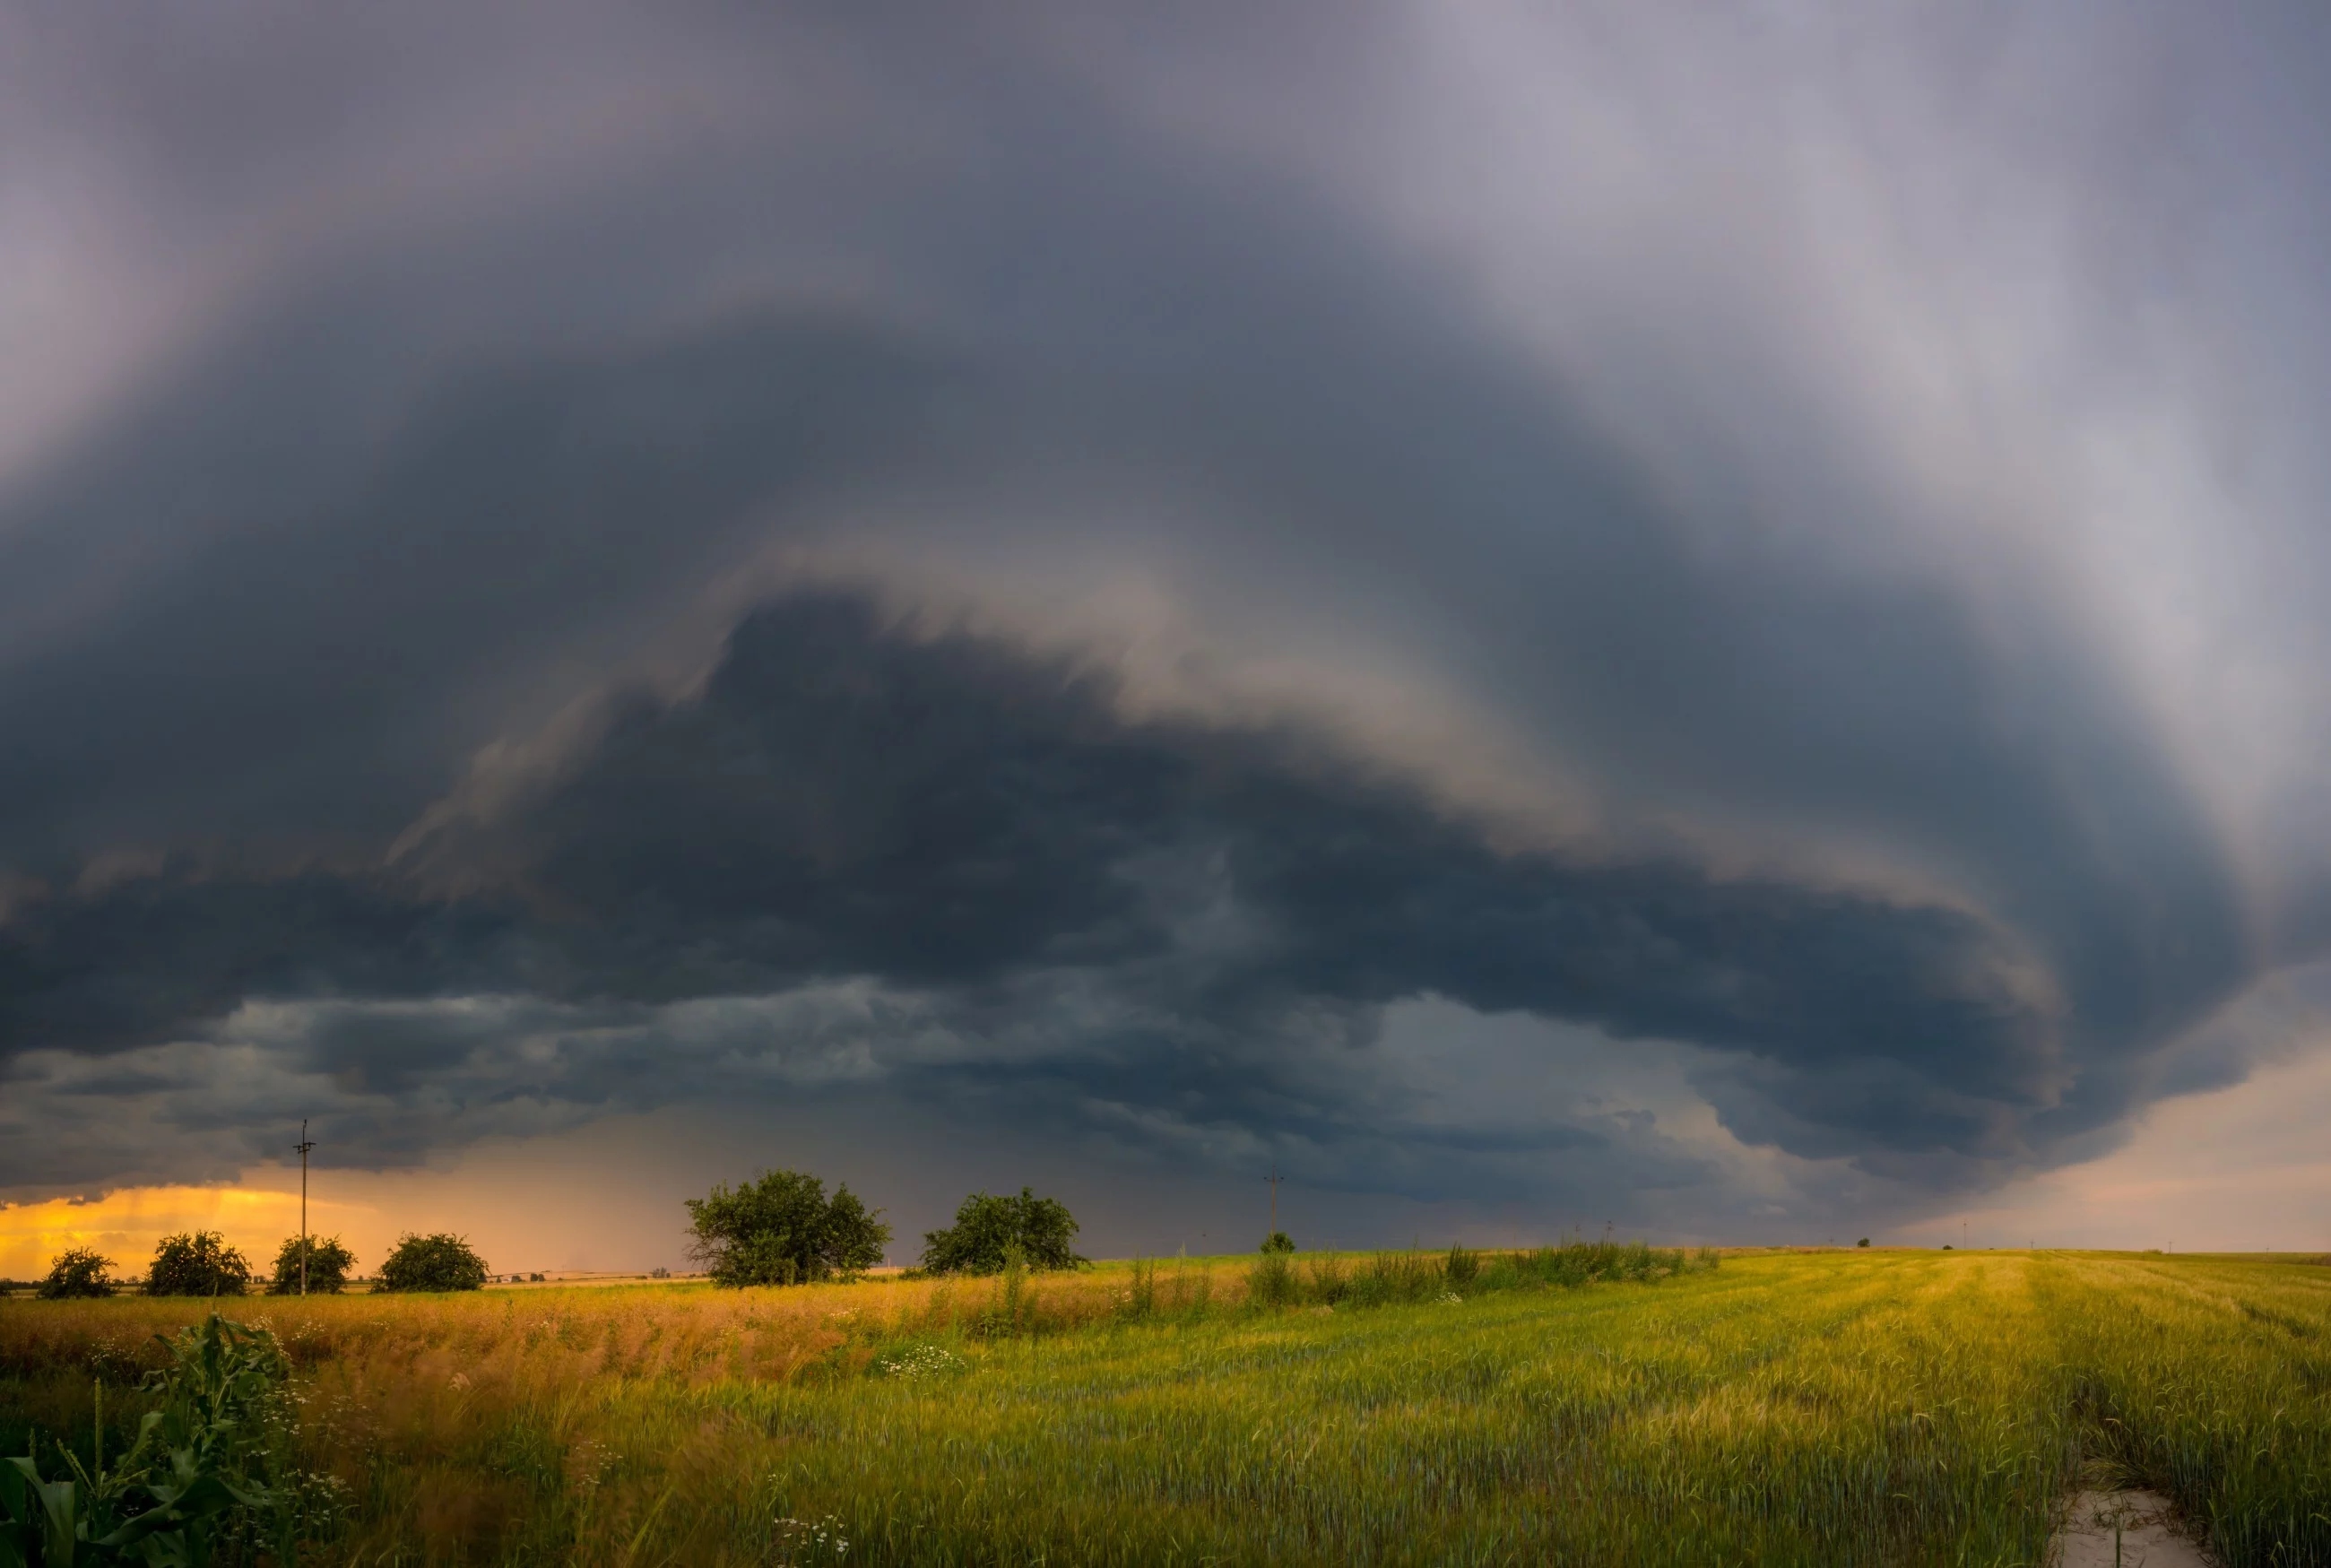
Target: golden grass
x,y
1921,1407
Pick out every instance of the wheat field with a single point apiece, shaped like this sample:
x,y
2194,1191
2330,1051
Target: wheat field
x,y
1896,1407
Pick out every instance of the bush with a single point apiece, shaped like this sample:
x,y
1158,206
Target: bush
x,y
328,1263
1370,1279
196,1263
1575,1263
1863,1243
1392,1277
1331,1281
1279,1241
74,1272
440,1262
782,1230
986,1228
1271,1281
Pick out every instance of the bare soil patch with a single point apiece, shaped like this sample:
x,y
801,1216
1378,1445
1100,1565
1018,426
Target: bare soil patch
x,y
2125,1530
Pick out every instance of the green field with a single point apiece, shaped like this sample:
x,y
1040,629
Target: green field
x,y
1817,1408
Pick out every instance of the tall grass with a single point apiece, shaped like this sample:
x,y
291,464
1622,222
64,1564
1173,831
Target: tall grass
x,y
1618,1405
2210,1383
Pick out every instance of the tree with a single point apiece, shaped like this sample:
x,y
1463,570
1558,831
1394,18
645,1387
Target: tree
x,y
1863,1243
782,1230
328,1263
1279,1241
196,1263
76,1271
442,1261
986,1228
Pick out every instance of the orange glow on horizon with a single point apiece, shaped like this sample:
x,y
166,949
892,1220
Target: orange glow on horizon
x,y
593,1199
254,1215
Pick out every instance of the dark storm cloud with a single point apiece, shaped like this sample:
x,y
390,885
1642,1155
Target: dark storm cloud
x,y
313,662
980,828
493,396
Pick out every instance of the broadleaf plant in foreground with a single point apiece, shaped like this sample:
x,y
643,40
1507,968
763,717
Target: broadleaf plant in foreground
x,y
202,1482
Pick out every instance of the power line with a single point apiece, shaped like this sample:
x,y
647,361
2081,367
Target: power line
x,y
307,1243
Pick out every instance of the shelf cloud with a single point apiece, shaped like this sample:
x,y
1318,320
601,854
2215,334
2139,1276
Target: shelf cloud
x,y
1501,604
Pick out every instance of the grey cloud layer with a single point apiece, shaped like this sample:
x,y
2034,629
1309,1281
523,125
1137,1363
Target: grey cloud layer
x,y
1126,913
508,398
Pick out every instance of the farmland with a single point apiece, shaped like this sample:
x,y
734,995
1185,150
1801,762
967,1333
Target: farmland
x,y
1814,1408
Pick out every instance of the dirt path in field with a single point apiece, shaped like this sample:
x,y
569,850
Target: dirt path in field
x,y
2146,1534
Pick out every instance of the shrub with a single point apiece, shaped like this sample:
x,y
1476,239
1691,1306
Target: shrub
x,y
440,1262
328,1263
1462,1268
1395,1277
196,1263
1140,1299
76,1271
987,1227
1279,1241
1271,1282
1331,1281
782,1230
1863,1243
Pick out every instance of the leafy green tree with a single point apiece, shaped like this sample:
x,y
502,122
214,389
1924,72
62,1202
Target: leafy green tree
x,y
328,1263
987,1228
76,1271
782,1230
442,1261
196,1263
1278,1242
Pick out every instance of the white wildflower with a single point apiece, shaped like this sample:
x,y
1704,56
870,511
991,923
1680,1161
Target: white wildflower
x,y
918,1361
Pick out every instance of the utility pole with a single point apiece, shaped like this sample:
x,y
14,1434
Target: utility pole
x,y
304,1145
1274,1179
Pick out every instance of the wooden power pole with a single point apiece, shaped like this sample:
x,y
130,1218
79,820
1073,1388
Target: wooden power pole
x,y
1274,1179
304,1145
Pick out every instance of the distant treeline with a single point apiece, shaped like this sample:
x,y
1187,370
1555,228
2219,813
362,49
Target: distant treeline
x,y
782,1228
202,1263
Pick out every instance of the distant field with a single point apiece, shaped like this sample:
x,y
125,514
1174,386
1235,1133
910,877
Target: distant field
x,y
1817,1408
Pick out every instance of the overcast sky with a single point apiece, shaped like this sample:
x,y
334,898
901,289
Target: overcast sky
x,y
1709,618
